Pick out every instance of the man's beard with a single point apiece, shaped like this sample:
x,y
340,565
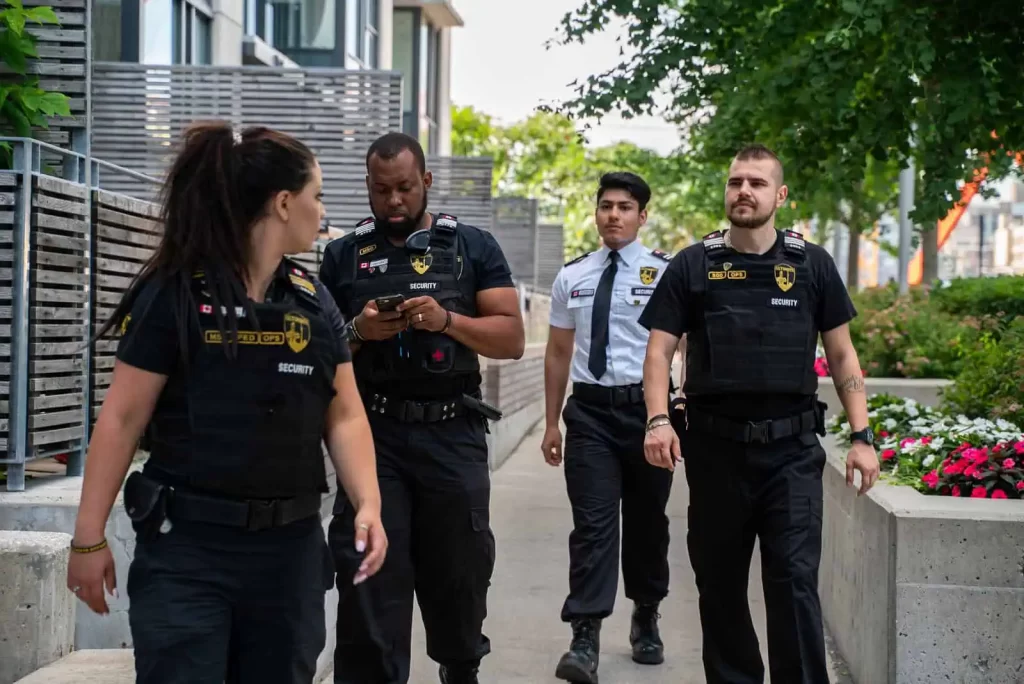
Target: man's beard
x,y
754,220
401,229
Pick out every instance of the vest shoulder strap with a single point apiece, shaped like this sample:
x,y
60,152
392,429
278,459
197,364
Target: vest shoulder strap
x,y
445,223
366,227
714,245
794,244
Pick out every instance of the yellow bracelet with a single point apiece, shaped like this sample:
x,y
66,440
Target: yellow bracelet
x,y
88,549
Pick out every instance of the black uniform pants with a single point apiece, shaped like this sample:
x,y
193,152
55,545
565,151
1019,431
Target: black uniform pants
x,y
435,489
213,604
605,465
772,492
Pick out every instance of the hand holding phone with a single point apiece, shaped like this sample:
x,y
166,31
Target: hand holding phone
x,y
375,323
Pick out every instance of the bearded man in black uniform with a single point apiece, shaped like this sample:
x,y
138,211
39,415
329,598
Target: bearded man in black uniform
x,y
752,302
425,294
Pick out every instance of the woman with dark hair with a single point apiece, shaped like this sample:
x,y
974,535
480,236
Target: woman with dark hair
x,y
232,355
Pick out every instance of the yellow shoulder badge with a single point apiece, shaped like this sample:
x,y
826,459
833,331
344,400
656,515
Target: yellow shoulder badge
x,y
302,284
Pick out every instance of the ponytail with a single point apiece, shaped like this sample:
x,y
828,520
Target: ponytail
x,y
214,192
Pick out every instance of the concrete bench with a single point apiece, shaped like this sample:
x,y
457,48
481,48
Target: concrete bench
x,y
38,623
98,666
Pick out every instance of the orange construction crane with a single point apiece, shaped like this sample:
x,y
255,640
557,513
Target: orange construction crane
x,y
946,226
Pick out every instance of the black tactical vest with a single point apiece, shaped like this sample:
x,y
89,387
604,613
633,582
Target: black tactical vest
x,y
255,423
757,332
414,363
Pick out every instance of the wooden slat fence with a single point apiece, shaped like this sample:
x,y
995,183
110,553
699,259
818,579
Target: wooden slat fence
x,y
126,232
139,110
10,183
462,186
550,255
515,229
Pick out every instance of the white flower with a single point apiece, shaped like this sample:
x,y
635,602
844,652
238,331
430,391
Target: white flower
x,y
912,411
890,423
927,462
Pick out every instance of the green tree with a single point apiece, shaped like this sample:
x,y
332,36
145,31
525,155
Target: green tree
x,y
545,157
23,104
828,84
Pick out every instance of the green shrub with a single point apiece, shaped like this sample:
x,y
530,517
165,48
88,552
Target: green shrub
x,y
1001,296
907,336
991,382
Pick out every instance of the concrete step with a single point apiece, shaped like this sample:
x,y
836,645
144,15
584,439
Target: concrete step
x,y
99,666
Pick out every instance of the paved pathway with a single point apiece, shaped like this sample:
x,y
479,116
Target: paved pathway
x,y
531,520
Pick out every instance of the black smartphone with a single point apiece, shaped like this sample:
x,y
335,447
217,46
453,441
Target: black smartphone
x,y
389,303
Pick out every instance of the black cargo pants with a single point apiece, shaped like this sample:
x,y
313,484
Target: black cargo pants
x,y
212,604
771,492
435,489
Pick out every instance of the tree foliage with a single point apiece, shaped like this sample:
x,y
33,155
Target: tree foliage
x,y
828,83
23,104
544,157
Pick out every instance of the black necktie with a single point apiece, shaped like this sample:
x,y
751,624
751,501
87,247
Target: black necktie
x,y
598,362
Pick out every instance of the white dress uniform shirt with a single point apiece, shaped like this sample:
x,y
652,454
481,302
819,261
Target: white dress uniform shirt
x,y
572,304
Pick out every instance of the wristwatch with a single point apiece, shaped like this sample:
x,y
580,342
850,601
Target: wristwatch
x,y
867,436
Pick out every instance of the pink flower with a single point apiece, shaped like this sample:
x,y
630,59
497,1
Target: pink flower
x,y
907,440
978,493
956,467
1008,463
888,455
999,494
926,440
931,479
977,456
1020,485
956,490
971,471
883,433
1019,448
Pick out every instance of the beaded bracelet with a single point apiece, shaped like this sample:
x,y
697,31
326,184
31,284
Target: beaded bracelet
x,y
89,549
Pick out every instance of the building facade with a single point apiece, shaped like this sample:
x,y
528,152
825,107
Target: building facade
x,y
409,36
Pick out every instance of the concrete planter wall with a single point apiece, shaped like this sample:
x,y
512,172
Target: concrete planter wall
x,y
920,589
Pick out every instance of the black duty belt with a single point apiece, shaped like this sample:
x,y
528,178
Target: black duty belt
x,y
252,514
761,432
622,395
409,411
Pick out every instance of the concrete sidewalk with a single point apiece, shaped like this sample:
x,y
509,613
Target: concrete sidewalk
x,y
531,519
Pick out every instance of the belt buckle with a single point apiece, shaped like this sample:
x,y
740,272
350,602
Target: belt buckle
x,y
759,431
413,412
261,515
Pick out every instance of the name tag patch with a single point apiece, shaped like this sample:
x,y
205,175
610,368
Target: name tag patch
x,y
784,302
422,286
582,293
642,291
294,368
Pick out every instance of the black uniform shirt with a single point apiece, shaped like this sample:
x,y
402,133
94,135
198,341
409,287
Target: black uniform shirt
x,y
150,339
670,309
486,265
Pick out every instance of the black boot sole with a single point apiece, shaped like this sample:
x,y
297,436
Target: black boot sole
x,y
574,672
656,658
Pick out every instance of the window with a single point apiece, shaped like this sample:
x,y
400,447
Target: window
x,y
404,61
430,64
106,30
294,24
362,21
190,39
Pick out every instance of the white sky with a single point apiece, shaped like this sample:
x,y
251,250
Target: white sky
x,y
502,42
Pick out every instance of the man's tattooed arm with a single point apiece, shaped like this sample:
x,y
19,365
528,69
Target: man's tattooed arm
x,y
851,383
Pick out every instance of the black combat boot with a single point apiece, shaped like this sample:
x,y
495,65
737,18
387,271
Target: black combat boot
x,y
458,674
579,664
644,635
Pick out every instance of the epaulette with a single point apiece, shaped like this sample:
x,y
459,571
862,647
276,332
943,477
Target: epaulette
x,y
794,242
446,222
578,259
664,256
301,280
714,241
367,225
